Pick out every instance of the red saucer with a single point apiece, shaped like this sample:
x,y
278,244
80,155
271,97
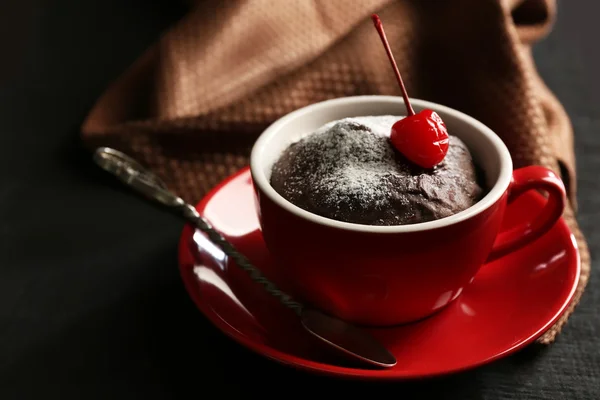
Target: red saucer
x,y
510,303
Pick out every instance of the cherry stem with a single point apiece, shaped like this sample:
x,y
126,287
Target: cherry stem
x,y
379,27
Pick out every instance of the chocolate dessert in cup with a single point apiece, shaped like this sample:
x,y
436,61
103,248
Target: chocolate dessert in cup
x,y
374,209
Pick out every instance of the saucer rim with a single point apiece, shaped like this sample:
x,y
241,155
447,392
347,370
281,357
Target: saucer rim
x,y
336,371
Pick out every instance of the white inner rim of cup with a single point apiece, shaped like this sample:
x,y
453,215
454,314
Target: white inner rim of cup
x,y
488,150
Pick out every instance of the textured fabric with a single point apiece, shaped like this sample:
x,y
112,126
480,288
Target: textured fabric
x,y
191,107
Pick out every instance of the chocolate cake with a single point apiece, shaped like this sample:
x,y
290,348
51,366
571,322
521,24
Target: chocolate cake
x,y
349,171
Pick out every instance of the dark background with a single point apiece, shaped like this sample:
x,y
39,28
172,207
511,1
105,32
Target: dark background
x,y
91,303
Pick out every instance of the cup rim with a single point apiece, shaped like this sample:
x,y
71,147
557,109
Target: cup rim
x,y
492,196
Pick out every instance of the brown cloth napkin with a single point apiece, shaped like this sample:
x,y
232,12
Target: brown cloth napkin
x,y
191,107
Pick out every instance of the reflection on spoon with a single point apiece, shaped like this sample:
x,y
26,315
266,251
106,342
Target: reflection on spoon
x,y
203,244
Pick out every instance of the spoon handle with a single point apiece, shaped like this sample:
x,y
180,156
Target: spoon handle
x,y
146,183
336,333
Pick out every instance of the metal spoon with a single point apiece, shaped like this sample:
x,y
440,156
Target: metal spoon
x,y
337,334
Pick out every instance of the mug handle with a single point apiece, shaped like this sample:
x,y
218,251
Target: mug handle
x,y
524,179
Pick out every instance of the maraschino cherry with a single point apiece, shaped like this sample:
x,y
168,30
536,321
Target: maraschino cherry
x,y
422,137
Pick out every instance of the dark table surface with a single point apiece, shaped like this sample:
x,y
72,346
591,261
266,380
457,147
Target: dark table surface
x,y
91,303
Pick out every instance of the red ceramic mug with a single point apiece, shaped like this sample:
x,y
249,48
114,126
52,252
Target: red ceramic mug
x,y
387,275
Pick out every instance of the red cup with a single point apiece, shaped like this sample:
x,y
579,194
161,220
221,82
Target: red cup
x,y
388,275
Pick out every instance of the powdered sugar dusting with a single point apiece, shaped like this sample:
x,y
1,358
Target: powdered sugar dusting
x,y
348,170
